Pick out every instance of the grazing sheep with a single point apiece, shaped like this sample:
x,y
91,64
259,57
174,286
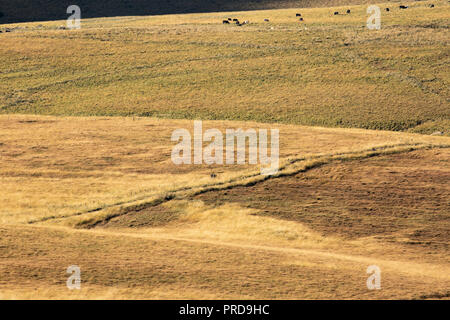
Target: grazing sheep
x,y
229,19
348,11
266,20
301,19
336,13
213,175
246,22
403,7
234,20
238,23
226,22
431,5
298,15
387,9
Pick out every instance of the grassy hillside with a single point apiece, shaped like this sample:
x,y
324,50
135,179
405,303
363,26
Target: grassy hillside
x,y
95,163
93,192
82,185
327,71
30,10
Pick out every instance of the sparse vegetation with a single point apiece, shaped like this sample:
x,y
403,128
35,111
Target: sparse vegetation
x,y
111,174
329,72
86,176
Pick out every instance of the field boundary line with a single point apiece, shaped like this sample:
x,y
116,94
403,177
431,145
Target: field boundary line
x,y
290,166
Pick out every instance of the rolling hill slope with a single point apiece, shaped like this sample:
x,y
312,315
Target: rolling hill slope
x,y
87,177
372,198
325,71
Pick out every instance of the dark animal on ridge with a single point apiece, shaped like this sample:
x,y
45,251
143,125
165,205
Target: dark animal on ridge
x,y
336,13
387,9
348,11
403,7
226,22
298,15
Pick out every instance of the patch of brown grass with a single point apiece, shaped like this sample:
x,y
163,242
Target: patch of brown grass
x,y
400,199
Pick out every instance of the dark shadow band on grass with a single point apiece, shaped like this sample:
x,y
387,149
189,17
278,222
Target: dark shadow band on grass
x,y
48,10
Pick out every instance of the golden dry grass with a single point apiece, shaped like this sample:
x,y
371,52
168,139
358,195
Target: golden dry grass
x,y
205,251
102,193
58,167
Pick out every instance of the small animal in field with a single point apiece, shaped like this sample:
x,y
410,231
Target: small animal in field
x,y
336,13
246,22
234,20
387,9
213,175
301,19
266,20
403,7
298,15
348,11
431,5
226,22
229,19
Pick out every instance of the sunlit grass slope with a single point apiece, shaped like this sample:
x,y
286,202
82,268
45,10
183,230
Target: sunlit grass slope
x,y
328,70
60,167
261,244
83,185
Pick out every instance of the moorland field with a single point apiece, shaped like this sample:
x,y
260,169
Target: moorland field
x,y
86,176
